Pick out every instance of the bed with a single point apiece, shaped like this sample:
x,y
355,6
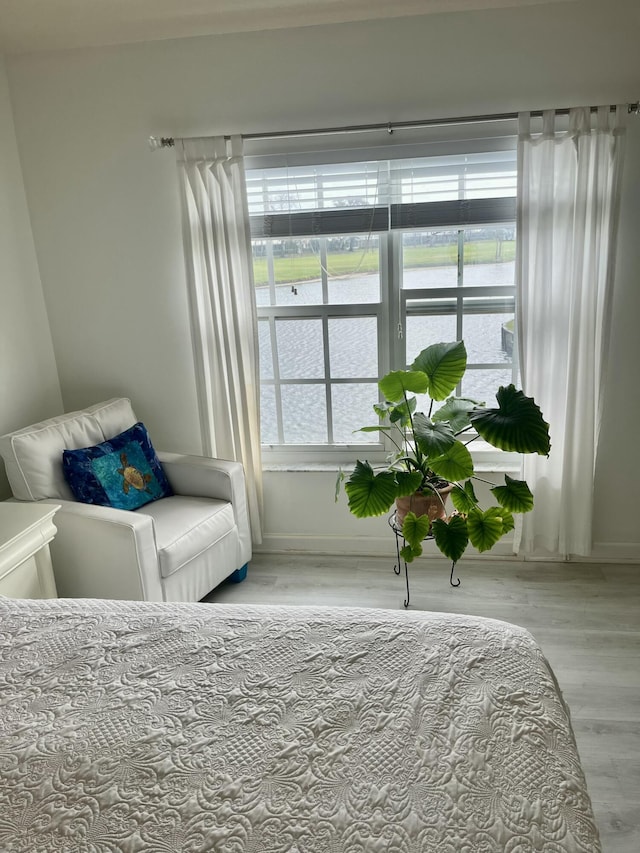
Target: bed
x,y
245,729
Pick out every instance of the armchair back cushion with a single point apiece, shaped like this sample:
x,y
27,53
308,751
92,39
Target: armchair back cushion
x,y
33,455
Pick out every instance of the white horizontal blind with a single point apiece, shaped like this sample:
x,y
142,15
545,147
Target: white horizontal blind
x,y
460,176
315,200
372,196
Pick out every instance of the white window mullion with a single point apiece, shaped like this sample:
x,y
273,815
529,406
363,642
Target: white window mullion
x,y
327,378
276,378
387,327
271,273
324,271
460,302
415,295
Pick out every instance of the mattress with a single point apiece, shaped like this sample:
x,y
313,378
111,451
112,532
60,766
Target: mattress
x,y
247,729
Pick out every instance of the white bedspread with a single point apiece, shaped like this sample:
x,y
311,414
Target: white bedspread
x,y
168,727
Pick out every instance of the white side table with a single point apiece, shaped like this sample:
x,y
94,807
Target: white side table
x,y
25,562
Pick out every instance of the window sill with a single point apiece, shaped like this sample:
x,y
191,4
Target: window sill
x,y
485,458
481,466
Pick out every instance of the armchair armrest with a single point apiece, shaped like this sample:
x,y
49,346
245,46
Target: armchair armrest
x,y
101,552
202,476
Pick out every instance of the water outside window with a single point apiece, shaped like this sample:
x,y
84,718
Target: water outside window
x,y
431,261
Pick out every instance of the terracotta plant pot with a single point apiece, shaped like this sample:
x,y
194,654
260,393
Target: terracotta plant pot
x,y
425,503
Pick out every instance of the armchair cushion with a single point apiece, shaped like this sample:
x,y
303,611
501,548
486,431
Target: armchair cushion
x,y
186,527
33,455
122,472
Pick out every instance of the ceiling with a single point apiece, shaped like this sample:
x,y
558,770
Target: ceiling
x,y
36,25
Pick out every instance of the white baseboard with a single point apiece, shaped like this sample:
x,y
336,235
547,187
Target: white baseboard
x,y
616,552
363,546
384,546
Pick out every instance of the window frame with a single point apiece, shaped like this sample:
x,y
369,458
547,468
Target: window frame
x,y
328,453
457,214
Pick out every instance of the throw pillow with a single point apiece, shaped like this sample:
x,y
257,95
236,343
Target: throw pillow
x,y
123,472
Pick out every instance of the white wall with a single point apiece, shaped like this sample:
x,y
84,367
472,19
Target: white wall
x,y
301,514
29,389
105,210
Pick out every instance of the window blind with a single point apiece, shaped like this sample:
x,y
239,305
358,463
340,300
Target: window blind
x,y
371,196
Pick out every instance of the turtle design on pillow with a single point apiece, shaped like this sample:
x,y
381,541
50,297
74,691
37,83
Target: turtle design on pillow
x,y
132,477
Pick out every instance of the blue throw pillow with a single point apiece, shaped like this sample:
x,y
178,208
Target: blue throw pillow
x,y
123,472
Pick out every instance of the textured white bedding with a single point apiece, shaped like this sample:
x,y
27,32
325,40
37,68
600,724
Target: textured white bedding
x,y
177,727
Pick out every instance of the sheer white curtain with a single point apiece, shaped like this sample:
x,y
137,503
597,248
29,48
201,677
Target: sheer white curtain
x,y
568,197
223,317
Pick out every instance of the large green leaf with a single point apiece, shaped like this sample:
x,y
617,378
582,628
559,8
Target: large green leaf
x,y
370,494
396,384
515,495
516,425
415,528
409,553
454,464
464,497
382,409
433,439
444,366
451,537
456,412
508,522
485,528
401,412
407,483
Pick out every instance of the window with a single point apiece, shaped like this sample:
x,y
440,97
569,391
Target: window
x,y
360,265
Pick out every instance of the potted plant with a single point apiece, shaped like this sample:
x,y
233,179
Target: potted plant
x,y
431,459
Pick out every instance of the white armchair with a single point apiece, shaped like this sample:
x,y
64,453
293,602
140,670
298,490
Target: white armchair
x,y
177,548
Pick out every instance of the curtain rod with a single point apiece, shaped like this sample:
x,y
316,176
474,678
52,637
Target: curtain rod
x,y
169,141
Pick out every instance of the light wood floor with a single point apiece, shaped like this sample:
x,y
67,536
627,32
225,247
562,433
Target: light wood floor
x,y
586,618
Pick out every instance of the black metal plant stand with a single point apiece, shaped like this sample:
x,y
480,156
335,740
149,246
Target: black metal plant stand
x,y
400,543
